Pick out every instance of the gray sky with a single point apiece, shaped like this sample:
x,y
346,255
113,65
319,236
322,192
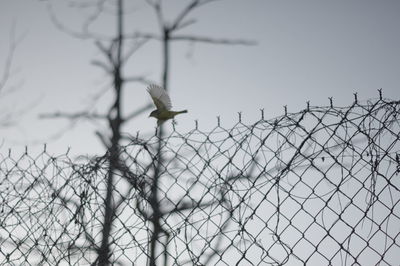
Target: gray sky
x,y
307,50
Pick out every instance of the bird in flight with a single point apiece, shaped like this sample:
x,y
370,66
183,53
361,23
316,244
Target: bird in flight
x,y
163,103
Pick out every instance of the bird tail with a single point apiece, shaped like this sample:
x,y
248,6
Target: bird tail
x,y
173,113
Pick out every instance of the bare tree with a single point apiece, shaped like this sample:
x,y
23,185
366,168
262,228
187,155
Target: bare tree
x,y
169,33
116,54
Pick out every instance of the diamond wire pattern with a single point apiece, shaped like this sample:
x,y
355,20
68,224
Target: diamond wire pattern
x,y
317,187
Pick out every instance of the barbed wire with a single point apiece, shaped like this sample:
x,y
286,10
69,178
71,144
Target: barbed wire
x,y
316,187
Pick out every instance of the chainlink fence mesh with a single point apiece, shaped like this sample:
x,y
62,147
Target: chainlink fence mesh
x,y
317,187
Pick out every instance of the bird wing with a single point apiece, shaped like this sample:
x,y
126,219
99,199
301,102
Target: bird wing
x,y
160,97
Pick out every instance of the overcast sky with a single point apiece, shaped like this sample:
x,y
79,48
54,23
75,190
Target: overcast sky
x,y
308,50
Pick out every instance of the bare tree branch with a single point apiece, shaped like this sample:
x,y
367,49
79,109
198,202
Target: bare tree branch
x,y
107,51
103,139
134,48
139,79
193,38
85,32
138,112
156,5
9,59
143,35
94,16
210,40
83,114
8,118
180,22
184,13
62,27
7,67
102,65
185,24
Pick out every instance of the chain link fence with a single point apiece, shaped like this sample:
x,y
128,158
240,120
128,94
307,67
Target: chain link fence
x,y
317,187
